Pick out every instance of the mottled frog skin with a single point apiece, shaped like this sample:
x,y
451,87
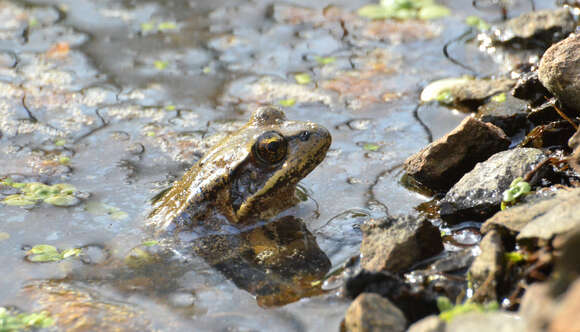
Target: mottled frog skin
x,y
250,175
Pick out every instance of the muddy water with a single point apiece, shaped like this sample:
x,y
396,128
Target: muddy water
x,y
143,88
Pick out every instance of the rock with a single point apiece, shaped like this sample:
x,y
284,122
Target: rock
x,y
472,93
561,219
371,312
479,193
559,71
487,269
509,114
440,164
568,263
574,143
535,29
545,112
415,302
537,306
428,324
529,87
499,321
566,316
395,244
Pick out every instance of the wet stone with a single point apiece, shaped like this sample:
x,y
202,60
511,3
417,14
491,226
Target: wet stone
x,y
537,306
443,162
574,143
371,312
559,71
396,243
479,193
537,29
566,317
487,269
509,115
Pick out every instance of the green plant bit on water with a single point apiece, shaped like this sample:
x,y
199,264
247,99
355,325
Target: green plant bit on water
x,y
477,23
160,64
302,78
404,9
371,147
448,311
60,194
44,253
287,102
324,60
10,322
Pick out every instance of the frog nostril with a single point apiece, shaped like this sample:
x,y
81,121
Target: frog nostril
x,y
304,136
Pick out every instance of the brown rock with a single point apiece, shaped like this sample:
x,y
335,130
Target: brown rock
x,y
566,317
428,324
559,71
443,162
371,312
395,244
498,321
574,143
537,307
486,271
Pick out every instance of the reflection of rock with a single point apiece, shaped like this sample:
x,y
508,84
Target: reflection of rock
x,y
559,71
371,312
443,162
395,244
479,193
279,262
77,309
536,29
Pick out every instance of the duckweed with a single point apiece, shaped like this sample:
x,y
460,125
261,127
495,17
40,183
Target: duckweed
x,y
517,189
404,9
44,253
160,64
499,98
287,102
325,60
10,321
302,78
477,23
514,257
371,147
60,194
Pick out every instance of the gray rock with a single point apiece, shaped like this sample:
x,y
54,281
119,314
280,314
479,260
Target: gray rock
x,y
487,269
479,193
371,312
535,29
428,324
562,218
543,217
567,263
559,71
510,115
395,244
440,164
499,321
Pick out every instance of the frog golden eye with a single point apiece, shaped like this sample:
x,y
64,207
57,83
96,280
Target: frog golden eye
x,y
270,148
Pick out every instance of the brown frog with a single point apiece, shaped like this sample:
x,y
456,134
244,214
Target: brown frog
x,y
250,175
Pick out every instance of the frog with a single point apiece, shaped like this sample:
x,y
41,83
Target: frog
x,y
248,176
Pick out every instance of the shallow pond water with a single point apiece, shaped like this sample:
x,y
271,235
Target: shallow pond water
x,y
119,98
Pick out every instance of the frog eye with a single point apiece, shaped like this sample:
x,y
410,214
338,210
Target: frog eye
x,y
271,147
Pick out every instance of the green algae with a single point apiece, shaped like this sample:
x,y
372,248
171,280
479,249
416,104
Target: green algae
x,y
44,253
10,321
31,193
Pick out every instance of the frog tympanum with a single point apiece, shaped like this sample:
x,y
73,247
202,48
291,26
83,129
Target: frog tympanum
x,y
250,175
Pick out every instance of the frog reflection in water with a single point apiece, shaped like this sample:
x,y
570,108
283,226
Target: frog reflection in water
x,y
245,181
